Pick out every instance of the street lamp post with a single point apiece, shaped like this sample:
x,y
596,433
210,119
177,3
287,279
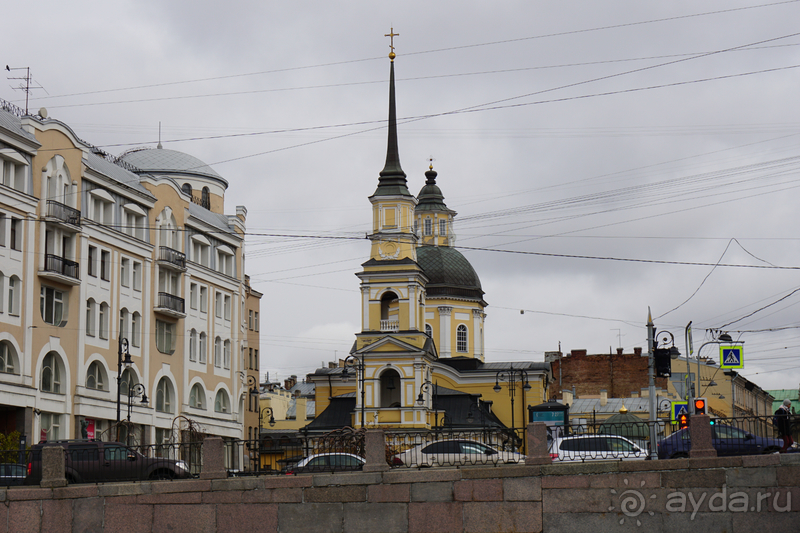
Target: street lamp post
x,y
271,422
429,387
133,392
123,349
512,376
357,365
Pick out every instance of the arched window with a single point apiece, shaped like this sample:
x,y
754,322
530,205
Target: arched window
x,y
128,379
428,330
165,395
203,347
123,323
197,397
136,329
9,363
222,404
91,319
206,198
193,345
390,388
103,327
52,370
13,295
218,352
96,377
187,189
462,345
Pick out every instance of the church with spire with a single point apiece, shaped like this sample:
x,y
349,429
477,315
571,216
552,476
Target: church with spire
x,y
419,360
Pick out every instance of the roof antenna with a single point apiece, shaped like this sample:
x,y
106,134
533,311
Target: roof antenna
x,y
159,136
26,86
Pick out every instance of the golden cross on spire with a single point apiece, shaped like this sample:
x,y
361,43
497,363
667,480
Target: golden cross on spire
x,y
391,35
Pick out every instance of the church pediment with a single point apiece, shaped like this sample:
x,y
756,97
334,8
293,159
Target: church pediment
x,y
414,343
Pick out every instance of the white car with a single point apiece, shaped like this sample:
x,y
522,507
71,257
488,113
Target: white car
x,y
595,448
455,452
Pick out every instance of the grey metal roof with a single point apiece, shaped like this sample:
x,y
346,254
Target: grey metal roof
x,y
161,160
116,172
13,124
306,389
215,219
449,273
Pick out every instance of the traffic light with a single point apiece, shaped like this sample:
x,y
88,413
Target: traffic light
x,y
683,421
663,362
700,406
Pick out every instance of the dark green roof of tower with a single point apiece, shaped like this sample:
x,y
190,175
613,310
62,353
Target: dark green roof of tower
x,y
392,180
449,273
430,197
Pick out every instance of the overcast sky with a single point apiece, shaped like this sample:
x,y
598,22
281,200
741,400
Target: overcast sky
x,y
568,136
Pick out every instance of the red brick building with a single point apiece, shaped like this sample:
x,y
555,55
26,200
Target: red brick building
x,y
622,375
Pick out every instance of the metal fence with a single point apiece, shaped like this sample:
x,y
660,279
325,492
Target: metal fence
x,y
436,448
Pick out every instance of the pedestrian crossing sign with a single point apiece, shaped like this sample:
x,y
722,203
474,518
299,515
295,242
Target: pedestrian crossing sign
x,y
678,409
731,357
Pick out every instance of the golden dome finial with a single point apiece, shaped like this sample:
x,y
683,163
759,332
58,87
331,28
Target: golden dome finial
x,y
623,410
391,35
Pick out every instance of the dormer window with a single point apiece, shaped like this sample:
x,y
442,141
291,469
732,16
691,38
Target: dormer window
x,y
225,260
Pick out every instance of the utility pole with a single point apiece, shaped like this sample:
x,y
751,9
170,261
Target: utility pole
x,y
651,334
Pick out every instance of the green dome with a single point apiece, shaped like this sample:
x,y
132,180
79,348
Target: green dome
x,y
449,273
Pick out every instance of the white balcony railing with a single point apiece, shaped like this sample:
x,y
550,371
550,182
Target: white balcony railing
x,y
390,325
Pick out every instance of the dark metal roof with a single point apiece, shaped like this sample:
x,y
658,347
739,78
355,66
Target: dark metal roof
x,y
336,415
430,197
449,273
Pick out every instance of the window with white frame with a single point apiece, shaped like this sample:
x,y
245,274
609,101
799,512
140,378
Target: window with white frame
x,y
200,249
92,262
255,325
193,295
427,225
123,323
95,377
102,206
127,380
168,281
226,307
165,396
50,425
461,339
105,265
52,370
9,362
102,329
91,317
165,337
137,276
134,221
51,304
136,329
15,242
125,272
203,299
2,290
442,227
202,348
197,397
218,352
225,260
14,288
193,345
226,354
250,319
218,304
222,404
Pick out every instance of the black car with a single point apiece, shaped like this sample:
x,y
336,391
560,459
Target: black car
x,y
87,461
326,462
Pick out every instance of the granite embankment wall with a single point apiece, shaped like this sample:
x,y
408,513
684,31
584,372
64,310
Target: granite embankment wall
x,y
708,494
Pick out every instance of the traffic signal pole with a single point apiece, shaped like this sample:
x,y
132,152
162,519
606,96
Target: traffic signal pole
x,y
688,382
651,333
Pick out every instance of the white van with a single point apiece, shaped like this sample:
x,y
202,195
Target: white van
x,y
595,448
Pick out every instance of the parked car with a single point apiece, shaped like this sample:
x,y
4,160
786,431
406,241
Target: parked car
x,y
12,474
727,440
326,462
452,452
95,461
595,448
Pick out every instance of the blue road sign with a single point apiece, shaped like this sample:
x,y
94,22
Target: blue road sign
x,y
678,408
731,357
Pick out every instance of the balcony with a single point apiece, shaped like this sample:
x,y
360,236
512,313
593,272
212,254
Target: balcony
x,y
169,258
390,325
170,305
61,270
63,214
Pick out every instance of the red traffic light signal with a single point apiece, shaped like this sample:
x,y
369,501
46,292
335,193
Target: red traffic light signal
x,y
700,406
683,421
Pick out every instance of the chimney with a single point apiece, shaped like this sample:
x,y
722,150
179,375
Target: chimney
x,y
619,351
637,351
290,382
603,397
566,397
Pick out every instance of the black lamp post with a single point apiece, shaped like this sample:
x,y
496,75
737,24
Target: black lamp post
x,y
133,392
271,422
358,366
513,376
123,349
431,389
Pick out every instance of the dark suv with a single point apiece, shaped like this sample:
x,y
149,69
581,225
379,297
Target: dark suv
x,y
95,462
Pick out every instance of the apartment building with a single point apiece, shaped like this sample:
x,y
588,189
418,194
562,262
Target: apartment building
x,y
122,278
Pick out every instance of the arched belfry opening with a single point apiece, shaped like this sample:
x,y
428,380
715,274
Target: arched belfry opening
x,y
390,388
390,311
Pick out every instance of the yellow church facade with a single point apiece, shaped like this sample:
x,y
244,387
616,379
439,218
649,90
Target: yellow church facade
x,y
419,360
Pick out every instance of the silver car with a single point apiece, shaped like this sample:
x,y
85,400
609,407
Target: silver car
x,y
595,448
454,452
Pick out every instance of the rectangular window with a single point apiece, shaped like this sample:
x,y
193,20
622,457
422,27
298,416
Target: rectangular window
x,y
427,224
2,229
193,295
137,276
165,337
123,324
51,305
92,258
442,227
227,307
136,320
255,324
124,272
255,355
13,304
250,361
16,236
203,299
218,304
250,319
105,265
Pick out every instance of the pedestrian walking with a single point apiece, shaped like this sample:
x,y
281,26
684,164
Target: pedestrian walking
x,y
783,422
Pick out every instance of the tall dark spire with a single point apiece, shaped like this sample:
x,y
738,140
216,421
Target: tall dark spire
x,y
392,180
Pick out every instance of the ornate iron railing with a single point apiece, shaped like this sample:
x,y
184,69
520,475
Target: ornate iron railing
x,y
172,256
59,265
65,213
171,302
